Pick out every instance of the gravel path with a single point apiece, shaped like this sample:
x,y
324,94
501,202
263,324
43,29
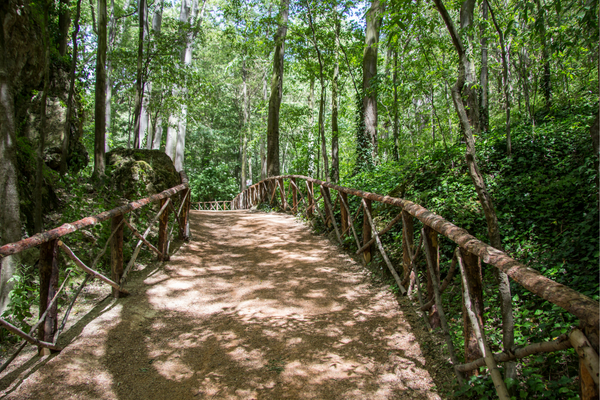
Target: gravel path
x,y
254,307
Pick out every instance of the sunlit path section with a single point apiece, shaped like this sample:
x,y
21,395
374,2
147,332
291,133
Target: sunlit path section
x,y
253,307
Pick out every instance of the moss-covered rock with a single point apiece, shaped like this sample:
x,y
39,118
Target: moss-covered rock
x,y
140,173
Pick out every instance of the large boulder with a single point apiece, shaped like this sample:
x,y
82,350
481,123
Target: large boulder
x,y
137,173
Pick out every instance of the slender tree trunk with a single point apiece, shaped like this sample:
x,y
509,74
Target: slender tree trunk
x,y
374,18
244,124
64,22
263,155
139,84
312,168
546,85
276,91
100,95
187,60
505,83
67,134
322,101
480,186
483,77
395,106
335,157
39,176
155,128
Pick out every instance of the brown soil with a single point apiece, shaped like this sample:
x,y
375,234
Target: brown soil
x,y
255,306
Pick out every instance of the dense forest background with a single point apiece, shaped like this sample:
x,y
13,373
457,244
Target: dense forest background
x,y
386,97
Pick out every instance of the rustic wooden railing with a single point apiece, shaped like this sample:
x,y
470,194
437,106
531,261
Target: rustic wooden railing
x,y
215,205
50,242
468,256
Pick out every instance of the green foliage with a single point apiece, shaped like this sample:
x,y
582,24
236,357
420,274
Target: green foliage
x,y
24,294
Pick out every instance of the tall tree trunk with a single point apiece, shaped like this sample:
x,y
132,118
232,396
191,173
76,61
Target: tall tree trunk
x,y
64,22
546,85
505,83
322,101
10,213
155,128
276,91
187,60
374,18
100,95
39,172
139,84
470,89
67,134
335,158
263,154
113,34
395,106
312,168
244,124
480,186
483,76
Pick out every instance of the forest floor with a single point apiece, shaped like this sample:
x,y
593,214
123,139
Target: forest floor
x,y
255,306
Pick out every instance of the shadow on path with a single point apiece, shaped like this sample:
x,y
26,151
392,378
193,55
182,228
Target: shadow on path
x,y
255,307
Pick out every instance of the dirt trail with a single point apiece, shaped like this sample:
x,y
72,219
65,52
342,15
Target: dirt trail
x,y
254,307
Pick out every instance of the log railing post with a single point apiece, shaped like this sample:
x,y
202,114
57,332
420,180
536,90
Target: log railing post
x,y
408,236
162,232
282,194
473,277
311,199
294,196
588,385
345,216
366,236
432,243
48,287
116,252
185,217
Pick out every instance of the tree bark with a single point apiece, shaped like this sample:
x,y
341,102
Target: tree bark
x,y
276,91
395,106
100,95
65,144
374,18
505,86
483,76
39,177
335,157
64,22
139,84
480,187
473,278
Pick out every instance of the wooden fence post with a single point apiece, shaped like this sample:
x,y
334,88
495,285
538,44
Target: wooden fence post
x,y
48,287
282,194
367,232
408,236
345,221
473,277
116,252
294,196
588,388
311,199
162,232
432,243
328,210
186,215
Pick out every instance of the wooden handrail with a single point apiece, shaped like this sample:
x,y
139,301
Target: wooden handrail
x,y
65,229
580,305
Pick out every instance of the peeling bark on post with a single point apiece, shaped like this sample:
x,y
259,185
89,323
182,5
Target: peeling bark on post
x,y
367,231
473,278
162,233
408,236
432,248
48,287
311,199
345,230
294,196
116,253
